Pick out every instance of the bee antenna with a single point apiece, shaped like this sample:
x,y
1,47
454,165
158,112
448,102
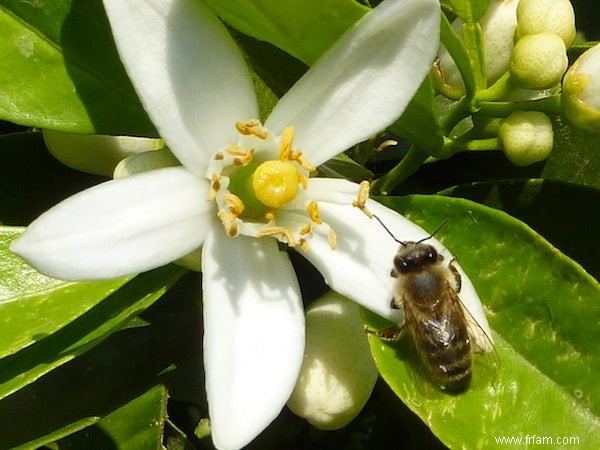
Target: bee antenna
x,y
442,225
388,231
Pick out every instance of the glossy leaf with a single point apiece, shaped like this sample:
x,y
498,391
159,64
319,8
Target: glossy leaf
x,y
544,311
574,158
303,29
84,88
79,334
33,306
136,425
97,384
418,123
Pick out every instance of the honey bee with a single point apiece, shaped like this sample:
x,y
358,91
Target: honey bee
x,y
442,331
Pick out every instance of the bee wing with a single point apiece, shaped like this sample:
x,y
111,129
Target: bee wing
x,y
486,361
479,338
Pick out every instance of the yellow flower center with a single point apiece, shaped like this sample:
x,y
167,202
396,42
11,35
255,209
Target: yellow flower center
x,y
275,183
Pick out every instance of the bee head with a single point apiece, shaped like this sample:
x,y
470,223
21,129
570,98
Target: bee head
x,y
413,256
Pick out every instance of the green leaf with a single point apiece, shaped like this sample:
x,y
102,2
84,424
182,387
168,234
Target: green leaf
x,y
78,334
419,123
544,311
342,166
303,29
61,70
468,10
563,213
136,425
33,306
115,373
575,157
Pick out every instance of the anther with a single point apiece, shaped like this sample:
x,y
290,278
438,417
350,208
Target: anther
x,y
285,143
361,201
251,127
332,239
236,206
313,212
281,231
214,186
385,144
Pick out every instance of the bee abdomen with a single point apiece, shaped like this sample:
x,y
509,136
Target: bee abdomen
x,y
451,367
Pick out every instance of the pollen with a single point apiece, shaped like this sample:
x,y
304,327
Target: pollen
x,y
361,200
251,127
275,183
313,212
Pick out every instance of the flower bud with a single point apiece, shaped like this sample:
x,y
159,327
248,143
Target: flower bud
x,y
145,161
546,16
538,61
526,137
580,100
498,25
338,373
97,154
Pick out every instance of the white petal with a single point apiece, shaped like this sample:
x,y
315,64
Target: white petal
x,y
120,227
364,82
253,334
360,266
187,71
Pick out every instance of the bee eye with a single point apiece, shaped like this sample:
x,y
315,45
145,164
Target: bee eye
x,y
432,255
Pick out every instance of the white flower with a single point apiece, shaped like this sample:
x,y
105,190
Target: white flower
x,y
194,85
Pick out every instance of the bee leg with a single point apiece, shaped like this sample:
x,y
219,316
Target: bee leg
x,y
456,274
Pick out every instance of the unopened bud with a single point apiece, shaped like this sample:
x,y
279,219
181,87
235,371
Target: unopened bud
x,y
546,16
338,373
526,137
144,162
97,154
580,100
498,25
538,61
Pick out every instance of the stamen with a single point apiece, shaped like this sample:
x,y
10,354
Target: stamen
x,y
385,144
303,181
270,216
313,212
363,195
332,239
228,221
304,244
236,206
219,156
285,143
251,127
306,229
214,186
283,232
297,156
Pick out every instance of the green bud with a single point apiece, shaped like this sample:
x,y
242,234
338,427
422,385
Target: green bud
x,y
526,137
498,25
97,154
580,99
538,61
338,373
546,16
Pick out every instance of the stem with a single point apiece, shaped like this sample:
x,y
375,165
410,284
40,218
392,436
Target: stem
x,y
458,112
548,105
405,168
473,145
496,91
